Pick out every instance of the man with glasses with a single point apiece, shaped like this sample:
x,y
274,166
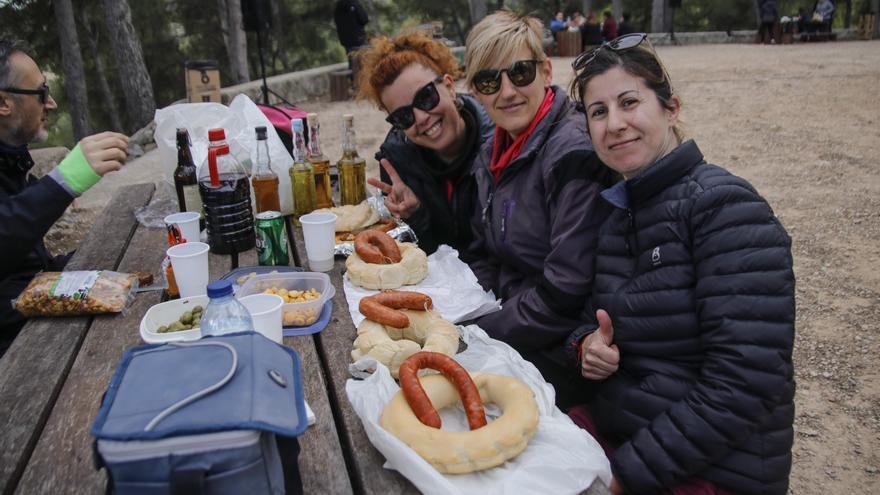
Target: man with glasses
x,y
29,207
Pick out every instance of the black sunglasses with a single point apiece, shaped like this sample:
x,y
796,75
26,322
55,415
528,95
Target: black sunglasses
x,y
521,73
425,99
624,42
42,91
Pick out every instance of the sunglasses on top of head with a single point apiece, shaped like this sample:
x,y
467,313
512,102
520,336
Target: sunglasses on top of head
x,y
42,92
426,99
520,73
620,43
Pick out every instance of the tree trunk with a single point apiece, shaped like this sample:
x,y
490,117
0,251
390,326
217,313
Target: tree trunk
x,y
658,13
280,48
847,17
617,8
668,18
74,75
875,8
133,76
478,10
108,99
238,43
586,6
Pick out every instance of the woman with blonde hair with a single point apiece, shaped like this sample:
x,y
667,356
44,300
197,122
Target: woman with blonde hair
x,y
436,133
538,187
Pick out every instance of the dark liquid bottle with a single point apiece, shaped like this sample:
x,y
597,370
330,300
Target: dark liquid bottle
x,y
226,198
186,183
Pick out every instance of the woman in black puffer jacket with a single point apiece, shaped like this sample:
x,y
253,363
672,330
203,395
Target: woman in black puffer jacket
x,y
690,354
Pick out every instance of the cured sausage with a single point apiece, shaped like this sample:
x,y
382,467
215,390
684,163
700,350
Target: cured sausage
x,y
459,377
382,307
376,247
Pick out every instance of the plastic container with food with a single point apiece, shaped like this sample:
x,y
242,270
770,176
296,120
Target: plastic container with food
x,y
167,321
305,293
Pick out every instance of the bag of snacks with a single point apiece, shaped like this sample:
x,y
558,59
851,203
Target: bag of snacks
x,y
76,293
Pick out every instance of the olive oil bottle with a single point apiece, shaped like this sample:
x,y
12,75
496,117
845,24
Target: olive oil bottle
x,y
352,168
320,164
302,176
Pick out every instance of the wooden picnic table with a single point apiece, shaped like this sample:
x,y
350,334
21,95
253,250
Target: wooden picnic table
x,y
53,376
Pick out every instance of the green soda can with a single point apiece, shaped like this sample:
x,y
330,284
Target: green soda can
x,y
271,239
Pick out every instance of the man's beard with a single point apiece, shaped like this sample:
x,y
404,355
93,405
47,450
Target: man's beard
x,y
21,137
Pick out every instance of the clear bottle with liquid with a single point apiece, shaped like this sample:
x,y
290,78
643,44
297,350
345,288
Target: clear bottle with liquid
x,y
320,164
302,176
352,168
224,314
264,180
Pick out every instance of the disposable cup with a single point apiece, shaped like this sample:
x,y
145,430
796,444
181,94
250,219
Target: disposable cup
x,y
188,222
190,263
319,233
265,310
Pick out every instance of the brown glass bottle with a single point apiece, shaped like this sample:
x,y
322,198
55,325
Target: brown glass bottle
x,y
186,182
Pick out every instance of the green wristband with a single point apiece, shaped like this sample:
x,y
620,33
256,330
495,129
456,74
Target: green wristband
x,y
77,172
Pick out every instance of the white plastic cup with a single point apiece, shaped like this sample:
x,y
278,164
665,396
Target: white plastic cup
x,y
188,222
190,263
319,233
265,310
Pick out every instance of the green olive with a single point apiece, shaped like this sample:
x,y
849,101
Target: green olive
x,y
162,329
197,309
186,318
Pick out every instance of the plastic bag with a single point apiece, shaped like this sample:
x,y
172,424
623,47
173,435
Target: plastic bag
x,y
238,120
76,293
561,458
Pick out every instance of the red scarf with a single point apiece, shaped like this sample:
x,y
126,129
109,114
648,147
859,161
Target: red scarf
x,y
504,151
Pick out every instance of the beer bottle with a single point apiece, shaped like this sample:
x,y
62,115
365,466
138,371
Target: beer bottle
x,y
320,164
352,168
302,176
185,180
264,180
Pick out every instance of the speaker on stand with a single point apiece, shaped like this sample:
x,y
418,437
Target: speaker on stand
x,y
256,17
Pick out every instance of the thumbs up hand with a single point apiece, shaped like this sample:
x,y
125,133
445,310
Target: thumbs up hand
x,y
599,356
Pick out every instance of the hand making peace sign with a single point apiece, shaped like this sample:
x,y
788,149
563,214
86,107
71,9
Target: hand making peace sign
x,y
401,201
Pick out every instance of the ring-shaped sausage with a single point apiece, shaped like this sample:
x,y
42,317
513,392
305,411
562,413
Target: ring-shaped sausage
x,y
391,346
376,247
457,452
420,403
412,269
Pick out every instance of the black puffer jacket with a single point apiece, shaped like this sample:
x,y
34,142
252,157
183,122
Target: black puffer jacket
x,y
438,220
696,274
28,208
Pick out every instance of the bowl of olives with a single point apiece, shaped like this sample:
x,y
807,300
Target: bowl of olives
x,y
173,320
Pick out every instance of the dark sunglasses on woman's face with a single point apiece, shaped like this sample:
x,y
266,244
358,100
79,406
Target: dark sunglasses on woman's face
x,y
521,73
425,99
624,42
42,91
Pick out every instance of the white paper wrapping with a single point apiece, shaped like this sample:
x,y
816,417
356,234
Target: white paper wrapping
x,y
561,458
451,284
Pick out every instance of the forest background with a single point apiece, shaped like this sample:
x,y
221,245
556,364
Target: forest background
x,y
113,62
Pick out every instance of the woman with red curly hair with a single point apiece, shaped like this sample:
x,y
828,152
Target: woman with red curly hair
x,y
436,133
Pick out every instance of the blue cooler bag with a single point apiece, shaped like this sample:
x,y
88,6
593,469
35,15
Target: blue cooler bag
x,y
202,417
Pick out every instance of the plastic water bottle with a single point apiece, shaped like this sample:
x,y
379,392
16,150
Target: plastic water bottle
x,y
224,314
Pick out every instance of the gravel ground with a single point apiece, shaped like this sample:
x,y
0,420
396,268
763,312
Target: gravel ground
x,y
802,123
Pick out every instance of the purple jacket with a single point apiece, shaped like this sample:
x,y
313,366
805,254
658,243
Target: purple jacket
x,y
535,230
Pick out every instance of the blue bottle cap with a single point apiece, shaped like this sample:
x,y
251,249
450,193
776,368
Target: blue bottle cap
x,y
219,288
297,125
